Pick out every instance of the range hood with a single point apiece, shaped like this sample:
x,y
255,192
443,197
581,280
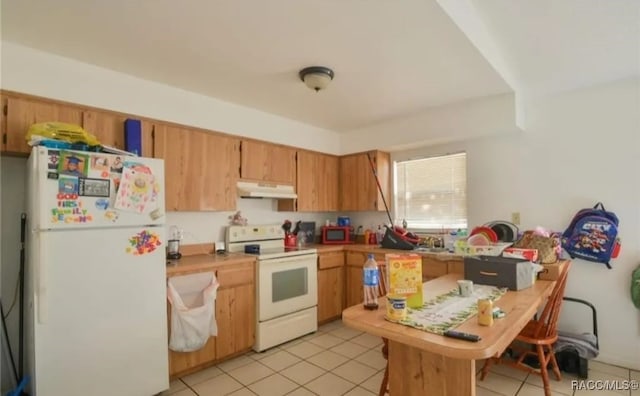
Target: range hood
x,y
265,190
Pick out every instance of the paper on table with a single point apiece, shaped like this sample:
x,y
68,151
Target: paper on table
x,y
448,310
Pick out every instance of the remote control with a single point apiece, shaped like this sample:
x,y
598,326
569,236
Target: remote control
x,y
462,336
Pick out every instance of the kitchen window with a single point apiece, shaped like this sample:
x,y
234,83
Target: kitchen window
x,y
431,193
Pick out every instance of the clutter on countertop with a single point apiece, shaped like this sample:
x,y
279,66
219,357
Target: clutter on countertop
x,y
237,219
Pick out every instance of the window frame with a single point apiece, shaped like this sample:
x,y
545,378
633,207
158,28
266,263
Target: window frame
x,y
398,217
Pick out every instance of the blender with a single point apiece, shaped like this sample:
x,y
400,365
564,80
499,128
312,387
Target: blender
x,y
173,244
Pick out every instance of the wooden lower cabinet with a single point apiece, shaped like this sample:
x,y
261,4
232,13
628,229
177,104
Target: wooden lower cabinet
x,y
354,292
433,268
235,318
330,286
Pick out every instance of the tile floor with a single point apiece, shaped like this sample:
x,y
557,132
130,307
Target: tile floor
x,y
338,360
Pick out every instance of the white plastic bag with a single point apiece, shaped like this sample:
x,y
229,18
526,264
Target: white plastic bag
x,y
193,307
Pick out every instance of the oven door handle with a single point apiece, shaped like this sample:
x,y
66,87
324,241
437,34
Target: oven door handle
x,y
290,259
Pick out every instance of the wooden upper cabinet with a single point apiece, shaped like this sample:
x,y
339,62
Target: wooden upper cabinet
x,y
201,169
22,113
109,129
358,187
316,184
268,162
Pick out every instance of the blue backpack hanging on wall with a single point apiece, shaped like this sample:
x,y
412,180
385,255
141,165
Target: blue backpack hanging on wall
x,y
593,235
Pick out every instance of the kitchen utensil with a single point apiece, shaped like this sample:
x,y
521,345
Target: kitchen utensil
x,y
297,228
286,227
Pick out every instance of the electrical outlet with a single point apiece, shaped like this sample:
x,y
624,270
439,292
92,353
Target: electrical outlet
x,y
515,218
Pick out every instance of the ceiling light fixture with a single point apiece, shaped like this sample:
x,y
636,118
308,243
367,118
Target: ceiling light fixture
x,y
316,77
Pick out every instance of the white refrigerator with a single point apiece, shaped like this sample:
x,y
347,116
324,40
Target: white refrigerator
x,y
95,319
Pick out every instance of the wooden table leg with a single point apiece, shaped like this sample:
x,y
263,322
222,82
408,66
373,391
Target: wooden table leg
x,y
414,372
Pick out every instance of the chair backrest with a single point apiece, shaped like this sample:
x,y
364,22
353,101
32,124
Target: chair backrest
x,y
548,321
383,287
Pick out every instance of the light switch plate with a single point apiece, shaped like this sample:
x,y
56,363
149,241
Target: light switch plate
x,y
515,218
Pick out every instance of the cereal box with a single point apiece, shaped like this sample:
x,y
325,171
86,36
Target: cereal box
x,y
405,277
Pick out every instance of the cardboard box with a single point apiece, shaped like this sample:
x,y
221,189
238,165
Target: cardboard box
x,y
551,271
405,277
515,274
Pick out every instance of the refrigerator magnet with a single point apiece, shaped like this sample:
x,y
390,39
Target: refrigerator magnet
x,y
142,243
53,158
99,163
156,214
111,215
94,187
102,204
67,185
73,164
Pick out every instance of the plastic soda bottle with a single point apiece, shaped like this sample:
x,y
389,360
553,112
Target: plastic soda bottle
x,y
371,280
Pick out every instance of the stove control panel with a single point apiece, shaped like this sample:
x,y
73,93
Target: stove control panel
x,y
236,233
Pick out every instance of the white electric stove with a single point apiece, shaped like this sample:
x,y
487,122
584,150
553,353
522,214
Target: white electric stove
x,y
286,294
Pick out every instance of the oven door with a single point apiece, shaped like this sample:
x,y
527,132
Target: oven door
x,y
286,285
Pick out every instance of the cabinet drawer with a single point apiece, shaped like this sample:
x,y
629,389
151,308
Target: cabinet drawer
x,y
355,259
330,260
239,274
433,268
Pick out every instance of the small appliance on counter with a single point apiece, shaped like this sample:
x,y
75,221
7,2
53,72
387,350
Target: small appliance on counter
x,y
173,244
336,234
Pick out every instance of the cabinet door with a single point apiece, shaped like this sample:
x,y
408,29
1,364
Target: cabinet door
x,y
328,177
268,162
354,292
201,169
455,266
235,309
180,362
307,186
330,293
330,285
433,268
358,186
109,129
21,113
316,185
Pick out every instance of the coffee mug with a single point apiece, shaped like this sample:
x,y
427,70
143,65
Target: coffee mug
x,y
465,287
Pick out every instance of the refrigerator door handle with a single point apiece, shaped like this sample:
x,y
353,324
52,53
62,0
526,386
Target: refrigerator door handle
x,y
41,279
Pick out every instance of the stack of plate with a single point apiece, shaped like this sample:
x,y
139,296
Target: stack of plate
x,y
504,231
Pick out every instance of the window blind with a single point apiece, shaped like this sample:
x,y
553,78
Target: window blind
x,y
431,193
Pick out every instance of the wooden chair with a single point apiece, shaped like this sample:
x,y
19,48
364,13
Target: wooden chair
x,y
541,334
383,288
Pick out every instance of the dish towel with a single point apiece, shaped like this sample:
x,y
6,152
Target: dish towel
x,y
193,310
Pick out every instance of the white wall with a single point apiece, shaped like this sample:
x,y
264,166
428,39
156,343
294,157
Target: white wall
x,y
580,147
454,122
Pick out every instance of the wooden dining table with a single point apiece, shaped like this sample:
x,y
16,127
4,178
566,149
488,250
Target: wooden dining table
x,y
423,363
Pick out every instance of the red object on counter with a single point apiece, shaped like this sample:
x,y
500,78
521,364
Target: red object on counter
x,y
336,234
290,240
373,240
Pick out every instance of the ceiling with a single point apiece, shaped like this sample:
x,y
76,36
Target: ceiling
x,y
391,59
